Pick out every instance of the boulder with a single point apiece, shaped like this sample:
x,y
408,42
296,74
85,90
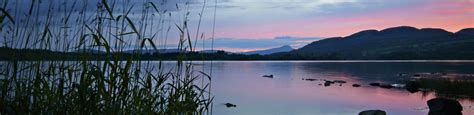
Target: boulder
x,y
442,106
373,112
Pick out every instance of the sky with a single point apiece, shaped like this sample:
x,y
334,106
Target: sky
x,y
260,20
329,18
246,25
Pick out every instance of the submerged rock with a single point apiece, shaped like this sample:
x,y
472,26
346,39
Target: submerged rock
x,y
230,105
373,112
355,85
441,106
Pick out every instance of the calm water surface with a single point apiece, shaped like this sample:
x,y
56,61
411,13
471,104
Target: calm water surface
x,y
240,83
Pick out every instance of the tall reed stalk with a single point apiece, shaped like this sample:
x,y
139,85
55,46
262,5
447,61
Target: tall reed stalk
x,y
90,85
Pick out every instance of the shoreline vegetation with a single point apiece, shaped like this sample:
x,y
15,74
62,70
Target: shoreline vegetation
x,y
91,84
397,43
446,88
9,54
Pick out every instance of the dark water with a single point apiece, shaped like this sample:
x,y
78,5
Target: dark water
x,y
241,83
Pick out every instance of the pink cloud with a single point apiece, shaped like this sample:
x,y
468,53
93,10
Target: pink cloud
x,y
453,7
449,15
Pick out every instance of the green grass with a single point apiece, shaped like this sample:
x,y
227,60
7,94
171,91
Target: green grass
x,y
88,86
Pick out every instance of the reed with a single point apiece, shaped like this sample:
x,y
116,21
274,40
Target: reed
x,y
89,86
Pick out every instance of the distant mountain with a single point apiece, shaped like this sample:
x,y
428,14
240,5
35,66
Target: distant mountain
x,y
285,48
393,43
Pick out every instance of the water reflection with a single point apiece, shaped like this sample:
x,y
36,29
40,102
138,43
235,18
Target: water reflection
x,y
241,83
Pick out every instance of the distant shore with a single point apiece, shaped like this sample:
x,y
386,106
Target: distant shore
x,y
9,54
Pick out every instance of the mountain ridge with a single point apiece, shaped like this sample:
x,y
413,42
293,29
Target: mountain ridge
x,y
374,44
397,43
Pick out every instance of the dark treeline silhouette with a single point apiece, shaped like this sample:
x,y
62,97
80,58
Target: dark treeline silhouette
x,y
398,43
37,54
402,43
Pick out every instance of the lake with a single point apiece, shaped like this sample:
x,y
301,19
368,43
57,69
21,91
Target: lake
x,y
241,83
290,92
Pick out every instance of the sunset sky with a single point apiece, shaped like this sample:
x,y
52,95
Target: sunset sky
x,y
254,20
326,18
244,25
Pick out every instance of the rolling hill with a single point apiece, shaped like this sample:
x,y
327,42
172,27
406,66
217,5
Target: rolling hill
x,y
281,49
402,42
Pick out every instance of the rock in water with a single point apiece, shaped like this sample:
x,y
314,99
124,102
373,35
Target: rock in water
x,y
373,112
441,106
268,76
230,105
328,83
355,85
